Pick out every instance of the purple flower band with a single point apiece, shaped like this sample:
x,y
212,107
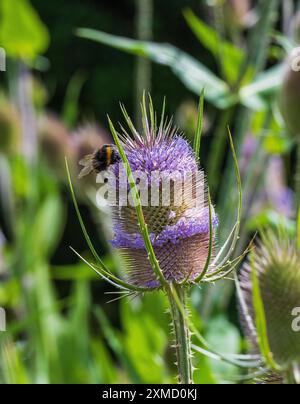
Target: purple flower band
x,y
184,228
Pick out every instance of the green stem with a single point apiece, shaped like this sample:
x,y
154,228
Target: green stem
x,y
182,334
144,28
218,149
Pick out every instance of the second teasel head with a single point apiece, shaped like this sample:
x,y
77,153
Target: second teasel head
x,y
276,263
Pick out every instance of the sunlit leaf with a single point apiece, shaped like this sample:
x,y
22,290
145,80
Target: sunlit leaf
x,y
22,33
190,71
229,55
270,218
266,83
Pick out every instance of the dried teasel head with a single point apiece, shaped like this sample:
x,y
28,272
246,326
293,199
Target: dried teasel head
x,y
55,143
88,138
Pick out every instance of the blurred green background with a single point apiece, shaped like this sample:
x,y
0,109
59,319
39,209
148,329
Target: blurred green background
x,y
54,97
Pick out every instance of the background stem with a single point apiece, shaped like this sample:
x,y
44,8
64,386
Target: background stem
x,y
182,336
144,32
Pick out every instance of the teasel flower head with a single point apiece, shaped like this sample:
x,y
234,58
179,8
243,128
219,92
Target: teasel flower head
x,y
176,207
164,223
270,283
178,223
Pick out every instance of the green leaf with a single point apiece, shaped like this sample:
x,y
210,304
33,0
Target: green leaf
x,y
71,101
145,341
231,56
22,33
271,218
266,83
276,142
116,344
12,363
223,337
49,224
191,72
260,321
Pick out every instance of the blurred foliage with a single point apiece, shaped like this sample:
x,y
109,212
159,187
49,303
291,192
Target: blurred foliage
x,y
59,328
22,34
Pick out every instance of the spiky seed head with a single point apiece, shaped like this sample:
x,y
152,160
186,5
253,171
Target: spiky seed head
x,y
276,262
175,208
55,143
236,12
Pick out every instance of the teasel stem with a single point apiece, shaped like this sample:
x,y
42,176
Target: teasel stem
x,y
178,311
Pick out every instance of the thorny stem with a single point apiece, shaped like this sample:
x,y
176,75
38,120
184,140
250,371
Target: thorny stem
x,y
182,335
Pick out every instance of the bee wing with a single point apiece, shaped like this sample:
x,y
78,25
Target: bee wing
x,y
87,163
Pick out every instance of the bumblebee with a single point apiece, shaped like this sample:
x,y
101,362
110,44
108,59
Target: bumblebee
x,y
100,160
